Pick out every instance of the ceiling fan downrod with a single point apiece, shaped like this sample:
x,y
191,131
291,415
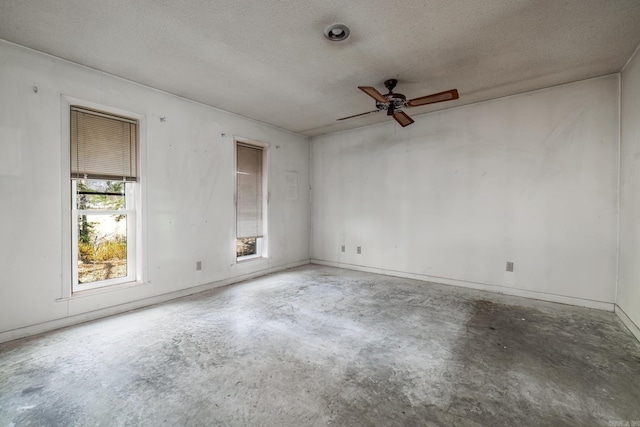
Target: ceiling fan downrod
x,y
390,84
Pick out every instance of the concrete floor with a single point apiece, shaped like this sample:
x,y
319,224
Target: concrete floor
x,y
323,346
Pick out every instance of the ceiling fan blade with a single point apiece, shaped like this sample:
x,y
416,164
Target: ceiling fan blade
x,y
372,92
448,95
358,115
402,118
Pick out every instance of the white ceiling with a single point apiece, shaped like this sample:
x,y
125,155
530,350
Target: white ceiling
x,y
268,59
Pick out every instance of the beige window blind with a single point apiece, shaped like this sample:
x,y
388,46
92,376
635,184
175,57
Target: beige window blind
x,y
249,188
103,146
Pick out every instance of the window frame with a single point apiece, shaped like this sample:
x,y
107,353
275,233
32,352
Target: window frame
x,y
262,246
129,211
137,238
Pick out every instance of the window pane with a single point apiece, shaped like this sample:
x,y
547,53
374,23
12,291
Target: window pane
x,y
246,246
100,194
102,247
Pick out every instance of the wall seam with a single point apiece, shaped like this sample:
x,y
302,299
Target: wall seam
x,y
310,228
619,188
630,58
627,322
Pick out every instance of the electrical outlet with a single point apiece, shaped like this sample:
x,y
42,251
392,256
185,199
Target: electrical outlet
x,y
342,248
198,265
509,266
359,250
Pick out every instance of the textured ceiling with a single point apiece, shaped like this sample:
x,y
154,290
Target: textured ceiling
x,y
269,61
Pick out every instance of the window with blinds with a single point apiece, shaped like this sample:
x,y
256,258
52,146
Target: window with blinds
x,y
249,200
104,187
103,146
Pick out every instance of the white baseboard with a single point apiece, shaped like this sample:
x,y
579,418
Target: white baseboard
x,y
581,302
630,324
122,308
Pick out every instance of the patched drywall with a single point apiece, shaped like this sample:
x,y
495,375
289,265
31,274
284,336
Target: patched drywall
x,y
529,179
187,180
628,298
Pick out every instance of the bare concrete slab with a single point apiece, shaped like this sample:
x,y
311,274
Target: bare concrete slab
x,y
324,346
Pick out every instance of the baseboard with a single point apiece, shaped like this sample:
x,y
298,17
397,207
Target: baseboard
x,y
630,324
581,302
146,302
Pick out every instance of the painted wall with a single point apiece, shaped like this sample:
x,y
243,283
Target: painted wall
x,y
530,179
629,277
188,184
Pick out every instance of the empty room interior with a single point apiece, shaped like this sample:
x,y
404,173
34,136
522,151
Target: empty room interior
x,y
320,213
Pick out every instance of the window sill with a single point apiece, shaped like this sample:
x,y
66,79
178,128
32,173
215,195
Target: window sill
x,y
248,258
103,290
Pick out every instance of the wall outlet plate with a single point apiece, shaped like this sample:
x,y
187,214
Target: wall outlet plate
x,y
198,265
342,248
359,250
509,266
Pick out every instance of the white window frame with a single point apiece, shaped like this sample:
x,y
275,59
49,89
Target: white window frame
x,y
261,242
137,238
130,212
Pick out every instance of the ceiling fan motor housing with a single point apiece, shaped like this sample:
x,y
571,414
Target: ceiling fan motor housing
x,y
397,100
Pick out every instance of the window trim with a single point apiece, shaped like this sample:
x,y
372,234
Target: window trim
x,y
66,282
263,242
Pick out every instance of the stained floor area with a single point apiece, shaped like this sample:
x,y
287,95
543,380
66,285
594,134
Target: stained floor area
x,y
319,346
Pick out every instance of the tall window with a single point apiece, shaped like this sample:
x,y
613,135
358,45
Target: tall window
x,y
250,201
104,174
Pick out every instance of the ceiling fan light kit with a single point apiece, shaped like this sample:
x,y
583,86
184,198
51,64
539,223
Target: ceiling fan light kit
x,y
393,103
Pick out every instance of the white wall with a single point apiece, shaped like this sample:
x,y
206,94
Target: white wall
x,y
530,179
629,276
188,181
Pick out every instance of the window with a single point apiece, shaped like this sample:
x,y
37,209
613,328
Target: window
x,y
104,174
250,201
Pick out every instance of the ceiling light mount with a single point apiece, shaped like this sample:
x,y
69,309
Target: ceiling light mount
x,y
336,32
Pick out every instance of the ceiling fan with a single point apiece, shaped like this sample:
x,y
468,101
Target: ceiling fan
x,y
393,103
